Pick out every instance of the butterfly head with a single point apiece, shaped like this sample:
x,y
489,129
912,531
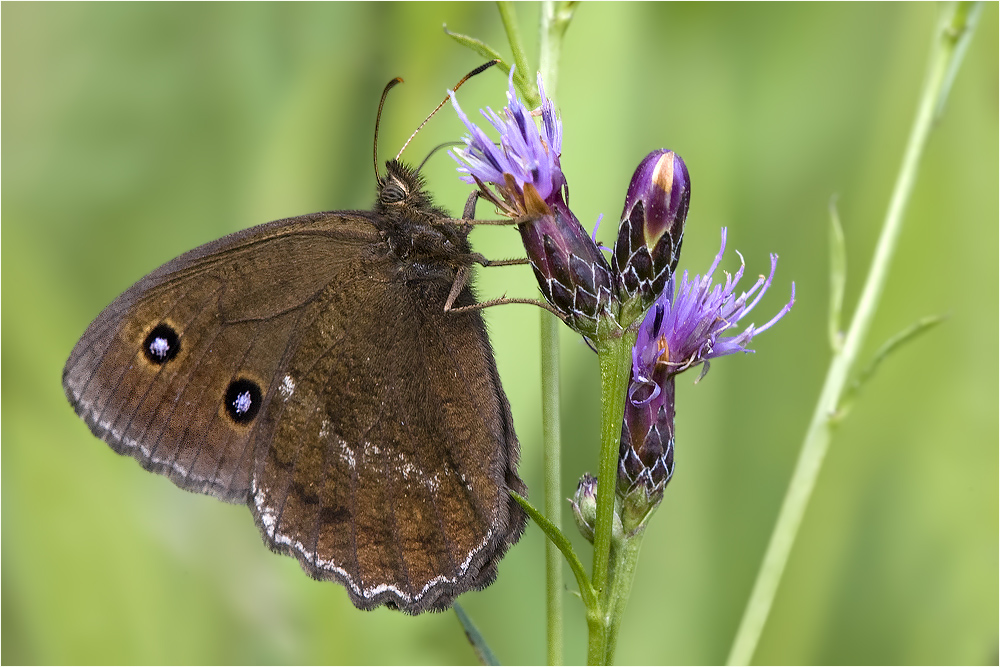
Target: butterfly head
x,y
402,195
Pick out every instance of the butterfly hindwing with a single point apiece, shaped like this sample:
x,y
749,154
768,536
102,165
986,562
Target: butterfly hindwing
x,y
394,490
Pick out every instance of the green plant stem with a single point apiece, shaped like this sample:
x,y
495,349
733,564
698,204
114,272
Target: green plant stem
x,y
558,538
623,561
550,48
614,357
555,19
958,21
551,446
475,637
521,71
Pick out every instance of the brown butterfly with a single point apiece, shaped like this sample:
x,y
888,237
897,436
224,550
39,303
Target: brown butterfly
x,y
308,368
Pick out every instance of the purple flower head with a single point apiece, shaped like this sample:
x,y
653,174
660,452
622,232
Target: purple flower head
x,y
684,327
525,154
523,179
652,226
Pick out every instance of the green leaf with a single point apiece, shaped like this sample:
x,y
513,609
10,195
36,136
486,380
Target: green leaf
x,y
908,334
562,543
479,47
486,656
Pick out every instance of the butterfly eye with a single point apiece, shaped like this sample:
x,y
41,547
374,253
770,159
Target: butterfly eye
x,y
393,192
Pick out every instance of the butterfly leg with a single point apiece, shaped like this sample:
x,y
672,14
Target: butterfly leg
x,y
462,277
469,212
483,261
503,301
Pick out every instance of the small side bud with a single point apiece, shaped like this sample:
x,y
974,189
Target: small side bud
x,y
584,503
652,226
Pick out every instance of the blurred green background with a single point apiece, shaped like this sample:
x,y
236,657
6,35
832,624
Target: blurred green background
x,y
132,133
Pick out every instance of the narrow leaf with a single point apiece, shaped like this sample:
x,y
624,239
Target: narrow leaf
x,y
479,47
838,276
908,334
479,645
562,543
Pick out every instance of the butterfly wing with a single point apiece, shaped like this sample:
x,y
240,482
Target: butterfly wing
x,y
148,373
393,448
378,455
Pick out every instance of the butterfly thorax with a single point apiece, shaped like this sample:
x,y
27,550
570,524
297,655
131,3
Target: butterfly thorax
x,y
417,231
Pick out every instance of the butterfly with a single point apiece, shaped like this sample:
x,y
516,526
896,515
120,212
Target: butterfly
x,y
333,373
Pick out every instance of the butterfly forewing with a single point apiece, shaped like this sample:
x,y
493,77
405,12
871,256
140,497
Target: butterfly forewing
x,y
162,405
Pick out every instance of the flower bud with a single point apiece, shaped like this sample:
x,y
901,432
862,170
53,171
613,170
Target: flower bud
x,y
652,226
646,454
572,273
584,503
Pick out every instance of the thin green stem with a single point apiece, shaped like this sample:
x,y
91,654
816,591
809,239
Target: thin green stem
x,y
624,559
475,637
953,32
559,539
522,76
550,48
551,443
838,277
508,16
614,357
555,19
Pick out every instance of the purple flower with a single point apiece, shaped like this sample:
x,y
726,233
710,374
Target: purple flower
x,y
652,226
525,156
685,326
523,179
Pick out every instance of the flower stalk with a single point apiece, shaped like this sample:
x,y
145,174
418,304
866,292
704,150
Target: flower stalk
x,y
554,22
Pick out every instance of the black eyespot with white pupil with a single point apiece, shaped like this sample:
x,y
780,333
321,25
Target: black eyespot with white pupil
x,y
243,399
162,344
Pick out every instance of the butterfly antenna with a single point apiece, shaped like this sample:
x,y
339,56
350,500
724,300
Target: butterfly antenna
x,y
434,150
482,68
378,117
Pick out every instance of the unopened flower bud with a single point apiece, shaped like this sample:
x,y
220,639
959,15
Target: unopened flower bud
x,y
571,271
646,453
652,226
584,503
